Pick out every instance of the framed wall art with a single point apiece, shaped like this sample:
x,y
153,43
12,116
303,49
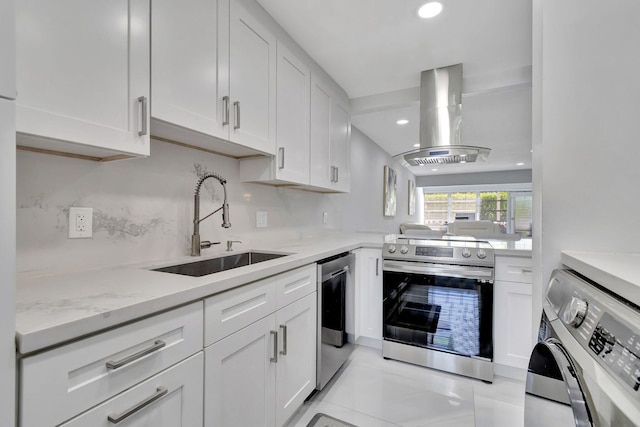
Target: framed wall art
x,y
412,197
390,191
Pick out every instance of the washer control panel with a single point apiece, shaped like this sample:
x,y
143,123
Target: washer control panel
x,y
605,326
618,347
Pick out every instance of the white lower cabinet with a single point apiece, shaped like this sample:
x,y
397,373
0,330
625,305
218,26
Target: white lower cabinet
x,y
172,398
261,374
59,384
512,302
239,377
369,296
296,365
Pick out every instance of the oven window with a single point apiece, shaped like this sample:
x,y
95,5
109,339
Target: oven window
x,y
441,313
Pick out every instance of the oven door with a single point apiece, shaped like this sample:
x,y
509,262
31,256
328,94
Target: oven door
x,y
440,307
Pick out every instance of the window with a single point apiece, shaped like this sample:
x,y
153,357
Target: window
x,y
512,210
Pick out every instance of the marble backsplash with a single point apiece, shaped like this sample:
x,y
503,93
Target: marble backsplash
x,y
143,208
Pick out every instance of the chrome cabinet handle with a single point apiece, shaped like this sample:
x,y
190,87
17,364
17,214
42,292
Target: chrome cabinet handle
x,y
274,359
225,104
333,174
377,266
117,418
143,106
284,340
281,154
236,107
337,179
120,363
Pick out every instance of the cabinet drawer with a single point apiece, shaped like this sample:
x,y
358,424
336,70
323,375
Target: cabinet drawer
x,y
295,284
514,269
61,383
231,311
173,397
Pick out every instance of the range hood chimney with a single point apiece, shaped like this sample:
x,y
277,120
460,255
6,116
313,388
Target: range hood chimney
x,y
441,120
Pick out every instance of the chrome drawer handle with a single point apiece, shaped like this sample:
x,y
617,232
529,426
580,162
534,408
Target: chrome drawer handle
x,y
143,101
236,106
284,340
281,152
274,359
120,363
117,418
225,102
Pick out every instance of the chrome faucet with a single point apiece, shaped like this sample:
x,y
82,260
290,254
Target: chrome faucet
x,y
196,244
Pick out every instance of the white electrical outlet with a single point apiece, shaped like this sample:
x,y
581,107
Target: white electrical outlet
x,y
80,223
261,219
325,216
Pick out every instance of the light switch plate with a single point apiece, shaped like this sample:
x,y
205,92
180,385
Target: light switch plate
x,y
261,219
80,223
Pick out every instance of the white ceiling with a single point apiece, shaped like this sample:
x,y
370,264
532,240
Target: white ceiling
x,y
376,49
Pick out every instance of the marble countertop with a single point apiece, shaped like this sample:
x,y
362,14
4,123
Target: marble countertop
x,y
56,308
52,309
520,247
620,273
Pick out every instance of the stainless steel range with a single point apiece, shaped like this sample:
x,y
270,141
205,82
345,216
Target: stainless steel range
x,y
438,304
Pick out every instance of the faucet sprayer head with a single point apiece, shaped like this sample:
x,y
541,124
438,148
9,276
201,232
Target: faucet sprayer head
x,y
225,215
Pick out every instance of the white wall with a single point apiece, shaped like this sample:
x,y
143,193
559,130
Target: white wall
x,y
586,72
143,208
363,209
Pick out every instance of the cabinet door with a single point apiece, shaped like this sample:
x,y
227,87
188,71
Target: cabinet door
x,y
296,367
252,81
83,72
239,377
340,135
187,84
173,397
512,323
7,49
369,293
293,86
320,135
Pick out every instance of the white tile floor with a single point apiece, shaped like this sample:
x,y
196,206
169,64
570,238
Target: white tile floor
x,y
372,392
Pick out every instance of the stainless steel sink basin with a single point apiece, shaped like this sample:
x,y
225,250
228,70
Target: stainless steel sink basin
x,y
216,265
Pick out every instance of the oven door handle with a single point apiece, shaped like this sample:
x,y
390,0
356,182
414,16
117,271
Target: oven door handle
x,y
465,272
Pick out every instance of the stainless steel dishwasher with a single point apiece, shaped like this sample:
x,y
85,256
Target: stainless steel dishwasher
x,y
334,279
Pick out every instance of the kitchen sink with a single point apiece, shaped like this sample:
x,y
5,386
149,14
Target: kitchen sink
x,y
216,265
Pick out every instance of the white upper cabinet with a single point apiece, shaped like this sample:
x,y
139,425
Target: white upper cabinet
x,y
340,136
83,76
330,134
291,163
187,86
213,77
7,50
320,149
252,81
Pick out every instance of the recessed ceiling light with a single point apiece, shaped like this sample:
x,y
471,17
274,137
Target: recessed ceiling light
x,y
402,122
434,170
430,9
463,161
416,145
520,164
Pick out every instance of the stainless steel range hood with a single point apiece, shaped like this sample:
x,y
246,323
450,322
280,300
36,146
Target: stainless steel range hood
x,y
441,120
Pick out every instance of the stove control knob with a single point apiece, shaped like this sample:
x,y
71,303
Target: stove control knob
x,y
391,249
404,249
466,252
481,254
575,312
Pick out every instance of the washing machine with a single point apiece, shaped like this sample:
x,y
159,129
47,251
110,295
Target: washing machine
x,y
585,368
